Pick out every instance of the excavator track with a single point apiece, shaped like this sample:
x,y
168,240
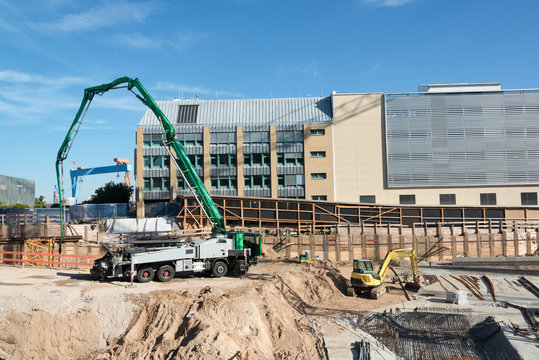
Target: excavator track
x,y
378,292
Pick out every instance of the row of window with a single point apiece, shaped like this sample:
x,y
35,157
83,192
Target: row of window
x,y
526,198
252,137
184,138
230,159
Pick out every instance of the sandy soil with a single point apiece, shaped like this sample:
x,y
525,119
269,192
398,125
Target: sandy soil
x,y
271,312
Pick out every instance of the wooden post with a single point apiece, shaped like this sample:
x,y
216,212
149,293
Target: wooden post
x,y
414,240
504,243
453,242
300,249
2,226
288,246
478,244
338,247
376,243
351,248
363,245
389,240
311,245
491,245
326,245
528,243
515,241
466,243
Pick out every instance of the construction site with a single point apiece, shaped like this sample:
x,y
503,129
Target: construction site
x,y
230,270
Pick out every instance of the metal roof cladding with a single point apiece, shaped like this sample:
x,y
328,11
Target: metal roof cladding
x,y
247,111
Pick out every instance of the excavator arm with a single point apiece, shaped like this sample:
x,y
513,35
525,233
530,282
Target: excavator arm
x,y
398,253
174,147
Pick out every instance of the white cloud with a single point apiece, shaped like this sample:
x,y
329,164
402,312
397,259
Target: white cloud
x,y
178,88
12,76
180,41
106,14
372,69
387,3
309,69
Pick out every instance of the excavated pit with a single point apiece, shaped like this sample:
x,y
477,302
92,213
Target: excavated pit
x,y
272,312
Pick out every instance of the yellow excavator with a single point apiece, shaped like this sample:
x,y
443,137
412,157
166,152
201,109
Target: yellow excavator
x,y
364,279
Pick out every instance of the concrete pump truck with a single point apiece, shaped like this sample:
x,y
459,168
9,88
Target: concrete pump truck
x,y
222,252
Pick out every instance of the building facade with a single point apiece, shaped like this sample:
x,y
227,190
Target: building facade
x,y
454,145
14,190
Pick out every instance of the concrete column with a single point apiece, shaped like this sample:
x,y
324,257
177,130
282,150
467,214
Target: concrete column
x,y
139,179
207,160
239,159
273,160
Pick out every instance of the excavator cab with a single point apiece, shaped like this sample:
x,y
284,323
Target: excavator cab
x,y
363,266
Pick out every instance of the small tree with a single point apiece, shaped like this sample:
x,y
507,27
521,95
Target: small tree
x,y
111,193
39,202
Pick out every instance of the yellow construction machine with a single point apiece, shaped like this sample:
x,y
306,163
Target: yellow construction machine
x,y
364,280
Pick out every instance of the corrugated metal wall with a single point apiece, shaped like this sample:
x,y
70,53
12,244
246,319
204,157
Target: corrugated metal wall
x,y
462,139
15,190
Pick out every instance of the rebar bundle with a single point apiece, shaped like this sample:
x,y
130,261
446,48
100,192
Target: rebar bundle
x,y
428,335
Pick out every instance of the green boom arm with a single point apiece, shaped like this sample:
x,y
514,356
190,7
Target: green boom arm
x,y
181,159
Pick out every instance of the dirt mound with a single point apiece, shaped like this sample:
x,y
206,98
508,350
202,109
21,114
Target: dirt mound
x,y
43,335
273,312
252,323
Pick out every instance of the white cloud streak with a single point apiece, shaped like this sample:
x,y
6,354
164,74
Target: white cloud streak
x,y
106,14
180,41
177,88
387,3
29,98
372,69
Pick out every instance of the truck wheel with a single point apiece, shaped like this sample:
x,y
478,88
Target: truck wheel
x,y
219,269
166,273
241,268
145,275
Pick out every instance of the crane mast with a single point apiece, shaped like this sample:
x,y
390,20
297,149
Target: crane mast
x,y
173,146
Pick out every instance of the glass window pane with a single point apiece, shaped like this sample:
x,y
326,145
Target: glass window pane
x,y
213,138
257,159
265,137
290,180
157,183
223,160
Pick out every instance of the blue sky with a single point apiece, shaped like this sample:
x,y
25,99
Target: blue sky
x,y
52,50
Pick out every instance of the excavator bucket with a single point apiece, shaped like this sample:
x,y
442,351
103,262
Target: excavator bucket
x,y
412,286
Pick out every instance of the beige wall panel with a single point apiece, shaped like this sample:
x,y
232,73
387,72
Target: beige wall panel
x,y
318,165
273,161
357,140
207,160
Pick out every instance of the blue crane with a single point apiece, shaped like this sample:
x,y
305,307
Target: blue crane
x,y
122,165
